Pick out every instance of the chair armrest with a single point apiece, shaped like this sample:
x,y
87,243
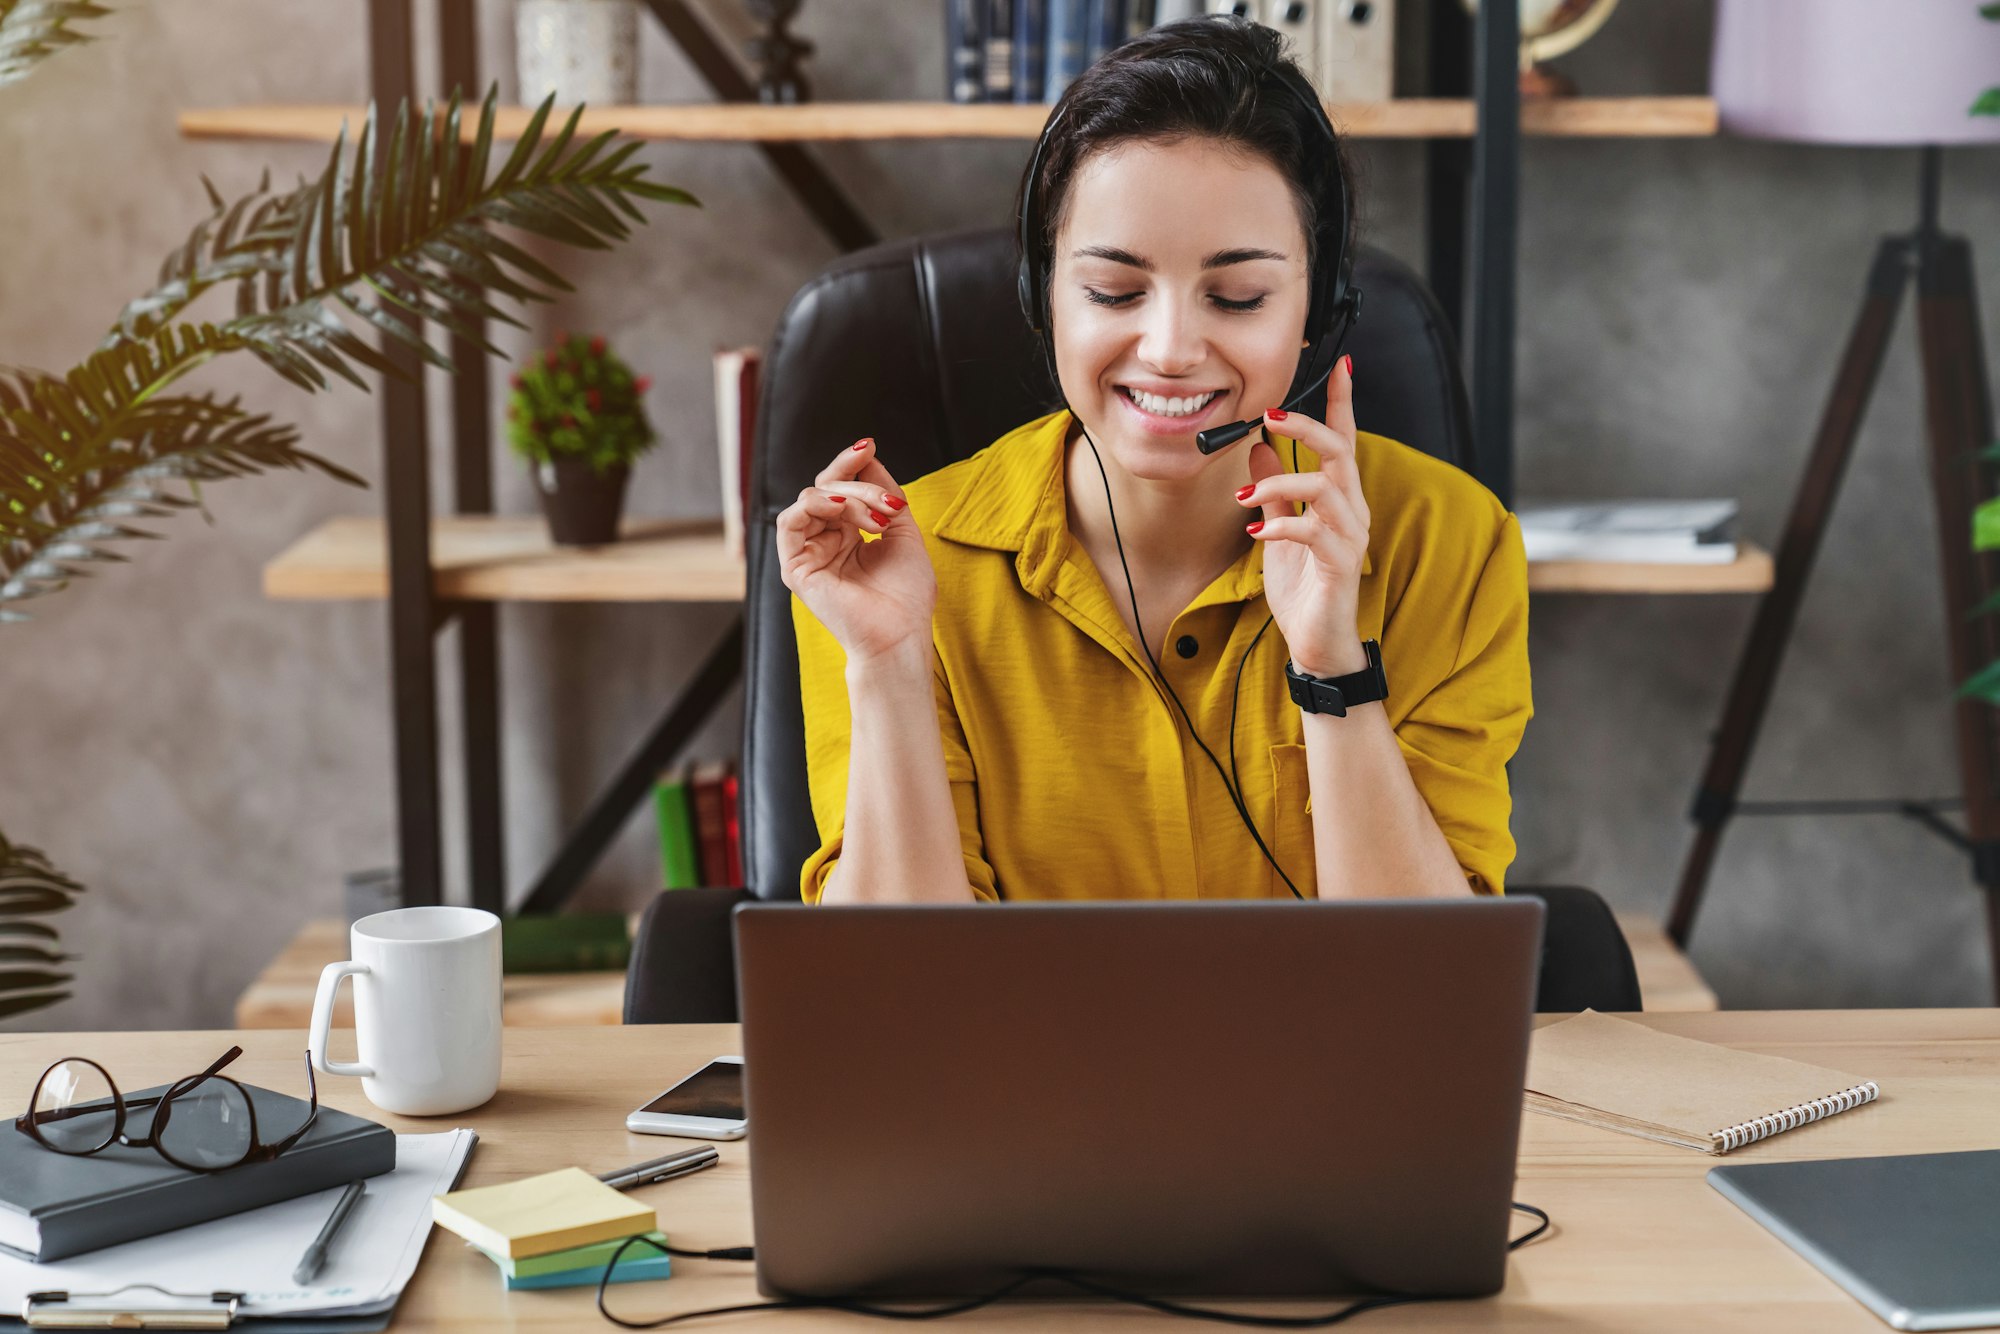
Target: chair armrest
x,y
683,964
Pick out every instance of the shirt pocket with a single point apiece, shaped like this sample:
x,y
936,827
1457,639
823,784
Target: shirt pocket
x,y
1290,836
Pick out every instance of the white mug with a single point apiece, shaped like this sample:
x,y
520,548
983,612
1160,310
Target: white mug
x,y
426,1009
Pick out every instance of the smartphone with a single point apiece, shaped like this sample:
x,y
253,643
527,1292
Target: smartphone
x,y
708,1104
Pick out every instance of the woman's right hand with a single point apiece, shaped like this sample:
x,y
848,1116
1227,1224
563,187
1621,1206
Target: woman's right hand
x,y
875,597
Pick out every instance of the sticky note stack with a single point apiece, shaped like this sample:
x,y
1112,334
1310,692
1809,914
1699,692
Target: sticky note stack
x,y
555,1230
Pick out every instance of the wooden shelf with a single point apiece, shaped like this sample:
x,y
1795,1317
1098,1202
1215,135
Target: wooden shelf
x,y
1750,572
710,122
509,558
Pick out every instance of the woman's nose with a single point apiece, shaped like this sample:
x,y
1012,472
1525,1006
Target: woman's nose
x,y
1172,341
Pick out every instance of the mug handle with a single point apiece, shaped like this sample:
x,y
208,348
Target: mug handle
x,y
322,1021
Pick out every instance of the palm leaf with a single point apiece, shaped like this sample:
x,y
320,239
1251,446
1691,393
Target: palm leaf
x,y
401,226
30,886
78,463
33,30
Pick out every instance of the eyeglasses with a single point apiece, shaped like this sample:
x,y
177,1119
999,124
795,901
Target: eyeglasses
x,y
203,1123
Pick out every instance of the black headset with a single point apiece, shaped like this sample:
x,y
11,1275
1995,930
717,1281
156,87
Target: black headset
x,y
1330,315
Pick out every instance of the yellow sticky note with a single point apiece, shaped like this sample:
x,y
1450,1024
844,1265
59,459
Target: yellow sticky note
x,y
540,1214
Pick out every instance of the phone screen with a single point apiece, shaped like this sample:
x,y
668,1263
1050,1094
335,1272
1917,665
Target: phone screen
x,y
715,1090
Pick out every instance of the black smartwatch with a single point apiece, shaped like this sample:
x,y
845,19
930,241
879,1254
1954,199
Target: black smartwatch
x,y
1334,694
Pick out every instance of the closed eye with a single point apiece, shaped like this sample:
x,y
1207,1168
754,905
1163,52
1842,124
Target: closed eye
x,y
1106,299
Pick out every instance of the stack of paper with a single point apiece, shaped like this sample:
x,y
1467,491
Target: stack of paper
x,y
555,1230
1668,532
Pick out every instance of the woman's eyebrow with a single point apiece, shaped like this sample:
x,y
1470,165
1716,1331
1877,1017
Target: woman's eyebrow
x,y
1219,259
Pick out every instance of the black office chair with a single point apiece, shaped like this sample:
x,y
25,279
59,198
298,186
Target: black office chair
x,y
920,343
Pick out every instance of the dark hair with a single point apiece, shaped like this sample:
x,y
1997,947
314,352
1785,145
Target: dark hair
x,y
1205,76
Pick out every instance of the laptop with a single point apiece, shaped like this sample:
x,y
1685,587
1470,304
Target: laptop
x,y
1203,1098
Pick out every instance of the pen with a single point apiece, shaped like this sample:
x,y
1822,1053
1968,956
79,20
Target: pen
x,y
661,1169
315,1256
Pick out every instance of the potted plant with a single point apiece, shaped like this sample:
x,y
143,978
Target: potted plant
x,y
578,416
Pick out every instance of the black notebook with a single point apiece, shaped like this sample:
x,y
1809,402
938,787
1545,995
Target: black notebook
x,y
54,1205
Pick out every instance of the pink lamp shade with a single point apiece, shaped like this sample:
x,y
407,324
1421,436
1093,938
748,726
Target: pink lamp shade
x,y
1855,71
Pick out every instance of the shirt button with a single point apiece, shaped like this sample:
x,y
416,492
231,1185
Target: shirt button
x,y
1186,646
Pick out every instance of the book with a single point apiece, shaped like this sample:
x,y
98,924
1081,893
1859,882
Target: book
x,y
564,943
964,53
1681,532
54,1205
732,828
1618,1075
1104,28
576,1257
736,378
998,40
1067,45
710,823
640,1263
680,866
1031,36
536,1215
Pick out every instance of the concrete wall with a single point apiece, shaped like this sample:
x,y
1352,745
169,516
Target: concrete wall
x,y
211,764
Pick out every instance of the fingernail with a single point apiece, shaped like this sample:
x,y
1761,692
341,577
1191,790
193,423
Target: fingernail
x,y
864,442
1244,494
894,502
1348,361
1255,528
879,517
1277,414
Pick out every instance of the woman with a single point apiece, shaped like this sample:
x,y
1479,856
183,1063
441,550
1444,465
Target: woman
x,y
994,710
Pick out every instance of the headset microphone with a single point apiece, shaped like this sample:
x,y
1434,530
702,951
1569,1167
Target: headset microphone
x,y
1221,437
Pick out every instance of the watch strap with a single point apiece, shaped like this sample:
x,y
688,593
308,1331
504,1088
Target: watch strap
x,y
1336,694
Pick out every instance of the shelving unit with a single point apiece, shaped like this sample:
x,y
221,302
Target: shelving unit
x,y
457,568
1404,118
511,560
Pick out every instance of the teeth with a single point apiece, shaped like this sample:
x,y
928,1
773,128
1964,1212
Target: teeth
x,y
1170,407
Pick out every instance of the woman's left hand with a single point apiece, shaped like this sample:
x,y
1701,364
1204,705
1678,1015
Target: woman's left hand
x,y
1312,567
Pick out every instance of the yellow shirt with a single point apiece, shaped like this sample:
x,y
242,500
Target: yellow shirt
x,y
1073,774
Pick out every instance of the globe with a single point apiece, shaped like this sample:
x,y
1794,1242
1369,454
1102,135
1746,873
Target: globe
x,y
1548,29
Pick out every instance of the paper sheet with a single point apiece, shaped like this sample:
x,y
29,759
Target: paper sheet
x,y
371,1259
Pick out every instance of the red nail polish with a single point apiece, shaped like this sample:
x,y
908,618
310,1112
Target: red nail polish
x,y
864,442
879,517
894,502
1348,361
1254,528
1244,494
1277,414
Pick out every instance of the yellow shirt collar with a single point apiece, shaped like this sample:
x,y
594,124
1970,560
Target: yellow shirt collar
x,y
1016,502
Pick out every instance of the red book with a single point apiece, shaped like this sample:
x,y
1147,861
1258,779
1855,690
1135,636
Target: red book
x,y
711,832
732,825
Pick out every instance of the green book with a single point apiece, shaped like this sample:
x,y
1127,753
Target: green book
x,y
565,943
592,1256
680,865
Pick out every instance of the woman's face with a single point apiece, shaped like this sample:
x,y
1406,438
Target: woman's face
x,y
1179,273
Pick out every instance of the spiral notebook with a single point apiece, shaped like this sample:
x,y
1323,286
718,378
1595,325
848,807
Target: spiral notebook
x,y
1619,1075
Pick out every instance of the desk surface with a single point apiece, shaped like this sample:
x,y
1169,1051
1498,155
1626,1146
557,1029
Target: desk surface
x,y
1641,1243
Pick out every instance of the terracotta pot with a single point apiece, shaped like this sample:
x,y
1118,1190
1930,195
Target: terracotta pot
x,y
582,504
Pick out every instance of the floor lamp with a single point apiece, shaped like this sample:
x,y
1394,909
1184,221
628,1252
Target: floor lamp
x,y
1859,72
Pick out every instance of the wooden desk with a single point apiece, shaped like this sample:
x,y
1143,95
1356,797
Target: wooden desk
x,y
1641,1242
282,995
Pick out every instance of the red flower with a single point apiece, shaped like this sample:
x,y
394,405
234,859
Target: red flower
x,y
595,399
597,346
551,359
515,379
642,384
568,420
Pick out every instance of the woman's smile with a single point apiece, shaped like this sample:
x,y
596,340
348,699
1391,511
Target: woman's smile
x,y
1175,419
